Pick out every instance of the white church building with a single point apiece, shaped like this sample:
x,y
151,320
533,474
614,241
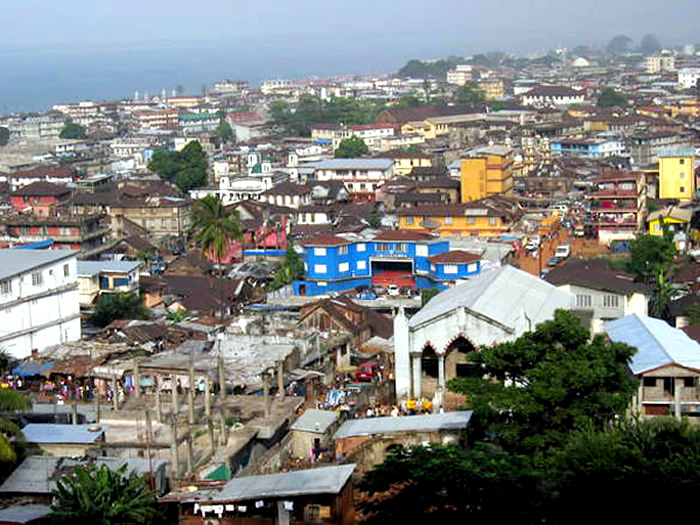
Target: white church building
x,y
432,347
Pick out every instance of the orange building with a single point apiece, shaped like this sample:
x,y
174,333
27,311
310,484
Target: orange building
x,y
486,172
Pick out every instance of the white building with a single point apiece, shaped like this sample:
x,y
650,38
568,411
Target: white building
x,y
39,304
498,306
98,277
688,77
360,176
460,75
659,63
544,96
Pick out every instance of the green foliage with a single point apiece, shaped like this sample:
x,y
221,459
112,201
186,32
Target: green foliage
x,y
650,45
663,293
565,381
214,226
176,316
7,361
224,132
426,294
187,169
4,136
10,401
375,219
120,305
610,98
71,130
429,69
619,44
441,484
693,313
99,495
410,101
651,255
469,94
292,269
351,148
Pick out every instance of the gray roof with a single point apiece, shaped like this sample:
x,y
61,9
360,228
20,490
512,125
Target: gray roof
x,y
38,474
353,164
658,344
14,262
385,425
23,513
501,295
89,268
324,480
314,420
52,433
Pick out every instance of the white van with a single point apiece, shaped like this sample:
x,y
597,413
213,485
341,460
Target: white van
x,y
562,251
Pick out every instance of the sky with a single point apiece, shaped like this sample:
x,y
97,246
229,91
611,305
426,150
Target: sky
x,y
58,51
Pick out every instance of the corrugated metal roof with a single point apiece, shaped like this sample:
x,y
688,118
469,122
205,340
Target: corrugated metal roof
x,y
324,480
14,262
89,268
501,295
23,513
657,343
51,433
353,164
314,420
386,425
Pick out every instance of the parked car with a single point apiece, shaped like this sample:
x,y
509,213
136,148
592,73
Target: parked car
x,y
545,272
367,372
553,260
562,251
393,290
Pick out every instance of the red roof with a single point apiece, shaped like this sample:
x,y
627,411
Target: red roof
x,y
362,127
454,257
402,235
46,171
326,240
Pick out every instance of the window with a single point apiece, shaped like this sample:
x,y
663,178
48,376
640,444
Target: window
x,y
650,381
344,267
402,247
689,382
361,265
37,279
66,270
409,219
5,287
681,161
583,301
682,189
471,220
343,250
611,301
320,268
681,175
492,221
448,220
319,251
361,247
450,268
432,268
120,281
669,385
421,250
382,247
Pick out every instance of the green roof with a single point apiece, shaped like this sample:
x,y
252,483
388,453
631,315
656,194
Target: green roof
x,y
220,473
199,116
677,152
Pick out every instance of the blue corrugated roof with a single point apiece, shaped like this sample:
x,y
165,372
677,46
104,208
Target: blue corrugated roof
x,y
73,434
657,343
32,368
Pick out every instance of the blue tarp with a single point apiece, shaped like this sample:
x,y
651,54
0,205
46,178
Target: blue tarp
x,y
39,245
32,368
270,253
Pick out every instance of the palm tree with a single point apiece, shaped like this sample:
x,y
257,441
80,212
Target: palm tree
x,y
10,401
663,293
100,495
214,228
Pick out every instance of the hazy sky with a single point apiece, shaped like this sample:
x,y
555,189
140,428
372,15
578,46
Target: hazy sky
x,y
409,27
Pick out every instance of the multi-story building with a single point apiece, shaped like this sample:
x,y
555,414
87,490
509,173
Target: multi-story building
x,y
230,87
644,148
361,177
486,172
543,96
99,277
47,126
41,198
49,173
618,204
688,77
677,174
593,148
155,119
198,122
493,88
371,134
38,300
460,75
400,258
186,102
658,63
279,86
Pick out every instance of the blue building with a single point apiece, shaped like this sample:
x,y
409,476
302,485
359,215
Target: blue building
x,y
401,258
593,148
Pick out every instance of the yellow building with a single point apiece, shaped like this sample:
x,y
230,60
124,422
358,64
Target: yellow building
x,y
487,218
493,88
677,174
673,218
487,171
405,161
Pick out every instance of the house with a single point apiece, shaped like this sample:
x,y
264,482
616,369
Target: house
x,y
86,233
323,494
247,126
64,440
288,194
688,77
198,122
608,293
405,161
487,171
543,96
618,204
38,299
366,442
667,362
592,148
361,176
672,218
41,198
677,179
433,346
155,120
312,431
644,147
50,173
98,277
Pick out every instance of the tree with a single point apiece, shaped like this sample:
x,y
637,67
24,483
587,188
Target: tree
x,y
4,136
426,294
10,401
532,392
71,130
351,148
120,305
610,98
224,132
187,169
214,228
619,44
292,269
650,255
663,293
469,94
650,45
375,219
100,495
438,484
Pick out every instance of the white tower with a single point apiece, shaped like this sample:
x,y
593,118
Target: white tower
x,y
402,358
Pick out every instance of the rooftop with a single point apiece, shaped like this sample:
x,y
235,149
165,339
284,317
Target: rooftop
x,y
313,420
596,274
90,268
354,164
455,257
15,262
385,425
64,434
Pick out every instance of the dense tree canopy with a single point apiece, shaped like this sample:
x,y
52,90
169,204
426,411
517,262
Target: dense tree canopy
x,y
650,45
619,44
102,496
187,169
429,68
291,270
214,226
4,136
651,255
73,131
10,401
351,148
469,94
120,305
610,98
224,132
